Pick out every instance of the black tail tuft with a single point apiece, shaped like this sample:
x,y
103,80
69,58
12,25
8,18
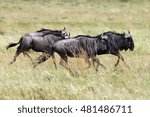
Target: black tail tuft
x,y
11,45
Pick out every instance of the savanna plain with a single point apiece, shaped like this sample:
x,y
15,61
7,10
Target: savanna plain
x,y
90,17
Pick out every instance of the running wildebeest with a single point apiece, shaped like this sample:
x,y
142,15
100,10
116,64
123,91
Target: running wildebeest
x,y
117,42
80,46
105,43
40,41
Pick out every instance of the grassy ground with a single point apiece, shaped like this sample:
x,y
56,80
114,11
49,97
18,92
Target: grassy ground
x,y
22,81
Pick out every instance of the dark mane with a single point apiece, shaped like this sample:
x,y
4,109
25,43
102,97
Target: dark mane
x,y
99,36
43,29
54,33
114,32
83,36
48,31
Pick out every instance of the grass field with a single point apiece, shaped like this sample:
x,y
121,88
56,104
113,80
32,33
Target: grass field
x,y
22,81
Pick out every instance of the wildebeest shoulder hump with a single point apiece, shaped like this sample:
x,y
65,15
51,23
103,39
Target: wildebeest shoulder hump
x,y
83,36
113,32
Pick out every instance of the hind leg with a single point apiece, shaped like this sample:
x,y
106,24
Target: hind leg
x,y
16,55
42,58
88,62
96,60
64,63
54,61
25,53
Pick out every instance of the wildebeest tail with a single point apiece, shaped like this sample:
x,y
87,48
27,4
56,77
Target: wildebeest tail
x,y
12,44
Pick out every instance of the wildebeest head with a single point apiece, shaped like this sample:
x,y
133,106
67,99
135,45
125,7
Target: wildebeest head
x,y
129,41
65,34
61,33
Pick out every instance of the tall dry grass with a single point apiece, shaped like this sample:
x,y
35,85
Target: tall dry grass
x,y
22,81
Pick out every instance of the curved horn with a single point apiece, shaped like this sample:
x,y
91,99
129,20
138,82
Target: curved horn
x,y
64,28
129,32
101,35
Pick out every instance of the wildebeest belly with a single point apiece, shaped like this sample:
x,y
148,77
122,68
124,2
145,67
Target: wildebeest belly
x,y
74,49
102,52
71,48
75,52
41,45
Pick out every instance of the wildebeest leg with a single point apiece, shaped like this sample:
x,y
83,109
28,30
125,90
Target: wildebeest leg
x,y
64,63
88,62
121,57
116,64
25,53
124,62
96,60
42,58
14,59
54,61
93,63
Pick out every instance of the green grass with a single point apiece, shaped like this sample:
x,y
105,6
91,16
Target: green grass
x,y
22,81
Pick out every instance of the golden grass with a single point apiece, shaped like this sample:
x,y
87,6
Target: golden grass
x,y
22,81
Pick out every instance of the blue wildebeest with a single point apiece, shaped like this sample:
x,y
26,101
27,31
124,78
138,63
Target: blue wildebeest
x,y
105,43
117,42
40,41
80,46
